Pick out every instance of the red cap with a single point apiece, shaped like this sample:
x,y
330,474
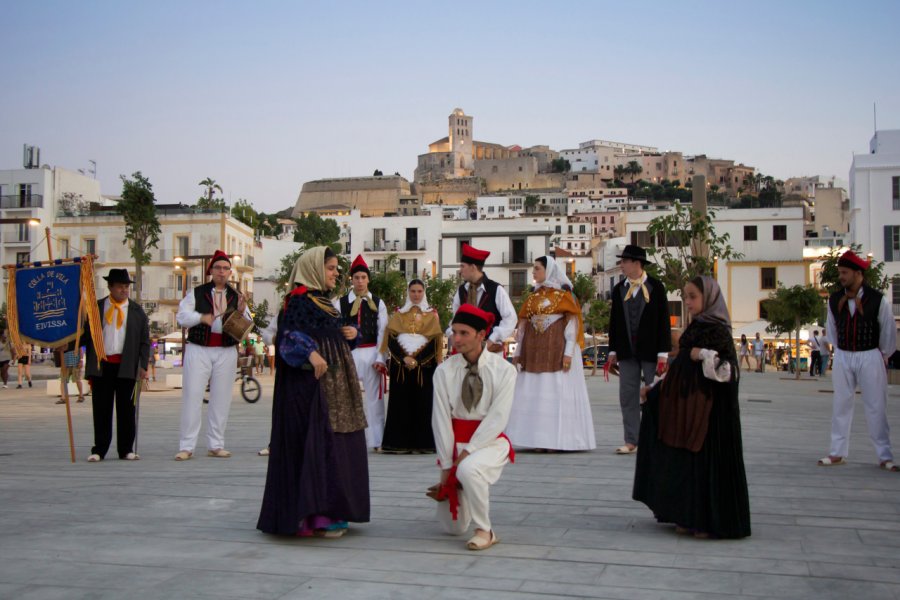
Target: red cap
x,y
473,255
474,317
216,257
359,264
850,260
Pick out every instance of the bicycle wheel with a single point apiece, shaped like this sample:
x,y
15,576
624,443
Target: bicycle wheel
x,y
251,390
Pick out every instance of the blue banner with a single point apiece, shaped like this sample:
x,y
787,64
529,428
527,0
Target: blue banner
x,y
47,299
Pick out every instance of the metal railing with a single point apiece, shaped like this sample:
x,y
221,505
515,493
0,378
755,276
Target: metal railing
x,y
896,310
169,254
517,258
15,235
168,293
395,246
17,201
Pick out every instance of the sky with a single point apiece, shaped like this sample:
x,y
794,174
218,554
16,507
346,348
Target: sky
x,y
262,96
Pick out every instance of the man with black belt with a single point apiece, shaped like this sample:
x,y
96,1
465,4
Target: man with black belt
x,y
126,341
815,354
486,294
368,313
210,358
640,337
861,326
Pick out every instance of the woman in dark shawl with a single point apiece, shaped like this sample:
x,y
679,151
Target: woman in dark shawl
x,y
318,477
690,464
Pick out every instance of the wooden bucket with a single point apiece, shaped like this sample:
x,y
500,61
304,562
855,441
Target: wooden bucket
x,y
236,325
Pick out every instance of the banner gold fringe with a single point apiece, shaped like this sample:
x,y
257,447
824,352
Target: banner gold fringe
x,y
89,298
12,309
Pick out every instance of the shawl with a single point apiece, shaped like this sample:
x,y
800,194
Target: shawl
x,y
686,395
714,308
555,278
426,323
550,301
309,272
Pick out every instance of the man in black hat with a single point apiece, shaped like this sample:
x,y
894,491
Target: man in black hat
x,y
640,337
126,341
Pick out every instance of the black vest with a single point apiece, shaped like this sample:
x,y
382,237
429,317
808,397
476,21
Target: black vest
x,y
488,302
859,332
203,304
365,320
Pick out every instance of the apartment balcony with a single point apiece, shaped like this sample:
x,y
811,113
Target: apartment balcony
x,y
169,295
395,246
16,235
245,263
16,201
517,258
896,310
169,254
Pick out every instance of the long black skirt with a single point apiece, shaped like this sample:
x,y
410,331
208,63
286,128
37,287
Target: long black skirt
x,y
408,422
706,490
313,471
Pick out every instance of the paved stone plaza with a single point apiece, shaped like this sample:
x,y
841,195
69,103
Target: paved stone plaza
x,y
163,529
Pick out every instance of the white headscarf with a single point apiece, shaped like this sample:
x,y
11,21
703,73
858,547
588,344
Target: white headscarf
x,y
423,305
555,277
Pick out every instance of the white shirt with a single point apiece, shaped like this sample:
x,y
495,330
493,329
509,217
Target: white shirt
x,y
188,316
887,340
382,318
113,338
508,317
815,344
499,383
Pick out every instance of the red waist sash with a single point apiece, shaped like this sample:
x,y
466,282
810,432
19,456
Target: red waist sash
x,y
463,430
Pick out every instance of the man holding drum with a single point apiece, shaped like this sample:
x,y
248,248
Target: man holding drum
x,y
210,357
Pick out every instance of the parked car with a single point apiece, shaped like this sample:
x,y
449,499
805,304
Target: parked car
x,y
594,354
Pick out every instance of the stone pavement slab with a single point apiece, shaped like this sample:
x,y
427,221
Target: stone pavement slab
x,y
157,528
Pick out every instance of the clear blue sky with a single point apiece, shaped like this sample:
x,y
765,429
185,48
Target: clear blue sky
x,y
262,96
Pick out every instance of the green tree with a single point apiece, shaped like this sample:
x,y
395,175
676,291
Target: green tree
x,y
470,205
531,201
260,314
619,171
440,292
313,230
208,200
560,165
377,173
243,211
788,309
686,245
596,319
583,288
634,169
138,207
828,276
389,284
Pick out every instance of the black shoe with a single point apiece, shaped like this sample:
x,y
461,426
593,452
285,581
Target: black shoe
x,y
19,387
29,383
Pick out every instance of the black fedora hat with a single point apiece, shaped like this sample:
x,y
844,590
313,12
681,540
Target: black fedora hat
x,y
118,276
634,253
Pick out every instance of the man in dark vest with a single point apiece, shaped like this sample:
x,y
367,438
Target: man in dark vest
x,y
368,314
486,294
210,358
860,325
640,337
126,342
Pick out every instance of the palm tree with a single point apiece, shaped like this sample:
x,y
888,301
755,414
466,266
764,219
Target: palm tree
x,y
211,187
619,172
634,168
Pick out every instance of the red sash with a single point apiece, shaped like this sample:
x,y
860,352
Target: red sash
x,y
463,430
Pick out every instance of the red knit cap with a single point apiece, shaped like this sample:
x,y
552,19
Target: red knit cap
x,y
473,255
359,264
850,260
216,257
474,317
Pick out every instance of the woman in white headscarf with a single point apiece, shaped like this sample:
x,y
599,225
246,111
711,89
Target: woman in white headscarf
x,y
551,410
413,339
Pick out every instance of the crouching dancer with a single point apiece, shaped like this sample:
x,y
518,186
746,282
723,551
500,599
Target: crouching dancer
x,y
473,395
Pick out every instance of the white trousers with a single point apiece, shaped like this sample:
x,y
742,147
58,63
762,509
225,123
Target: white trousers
x,y
477,472
374,406
202,365
867,370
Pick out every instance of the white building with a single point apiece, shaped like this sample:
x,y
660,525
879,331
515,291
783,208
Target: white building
x,y
39,193
185,233
875,204
771,241
499,207
513,244
269,253
414,239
